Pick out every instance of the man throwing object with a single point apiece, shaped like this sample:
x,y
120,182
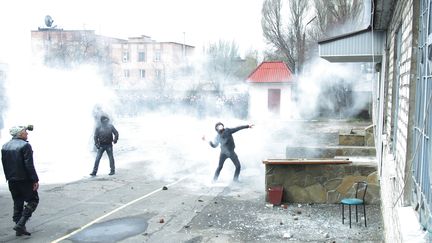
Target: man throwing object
x,y
225,139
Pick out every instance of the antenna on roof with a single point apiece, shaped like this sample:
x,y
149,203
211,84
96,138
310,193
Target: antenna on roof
x,y
48,21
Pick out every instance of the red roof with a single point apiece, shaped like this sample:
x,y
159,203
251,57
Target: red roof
x,y
271,72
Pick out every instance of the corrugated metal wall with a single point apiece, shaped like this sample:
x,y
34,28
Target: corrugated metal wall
x,y
362,44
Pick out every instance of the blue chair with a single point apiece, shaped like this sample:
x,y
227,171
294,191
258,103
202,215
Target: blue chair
x,y
359,199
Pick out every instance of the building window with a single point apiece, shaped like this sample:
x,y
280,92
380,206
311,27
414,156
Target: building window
x,y
422,132
395,91
125,56
141,56
126,73
142,73
157,56
158,74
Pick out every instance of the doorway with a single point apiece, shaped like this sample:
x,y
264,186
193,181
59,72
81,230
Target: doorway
x,y
274,98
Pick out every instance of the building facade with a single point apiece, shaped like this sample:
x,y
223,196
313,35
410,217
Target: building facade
x,y
137,63
145,63
271,88
399,44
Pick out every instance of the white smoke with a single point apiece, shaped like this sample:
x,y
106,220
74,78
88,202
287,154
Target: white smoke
x,y
319,77
59,104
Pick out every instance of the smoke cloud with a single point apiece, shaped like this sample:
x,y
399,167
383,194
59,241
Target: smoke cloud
x,y
59,104
331,90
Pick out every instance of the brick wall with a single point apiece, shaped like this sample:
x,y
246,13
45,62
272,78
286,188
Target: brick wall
x,y
394,160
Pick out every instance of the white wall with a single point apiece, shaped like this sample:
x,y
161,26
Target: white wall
x,y
258,101
395,167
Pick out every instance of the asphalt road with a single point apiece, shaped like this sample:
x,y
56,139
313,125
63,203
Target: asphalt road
x,y
128,208
121,201
132,206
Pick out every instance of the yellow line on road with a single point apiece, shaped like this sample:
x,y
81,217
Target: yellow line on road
x,y
114,211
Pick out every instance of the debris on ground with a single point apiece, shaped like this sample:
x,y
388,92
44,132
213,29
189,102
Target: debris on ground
x,y
287,235
269,205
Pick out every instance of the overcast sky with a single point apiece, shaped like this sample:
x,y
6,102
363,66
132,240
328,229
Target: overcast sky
x,y
199,22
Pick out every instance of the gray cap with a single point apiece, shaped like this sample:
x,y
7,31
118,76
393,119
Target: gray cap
x,y
14,131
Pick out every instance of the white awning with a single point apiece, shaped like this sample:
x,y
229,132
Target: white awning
x,y
361,46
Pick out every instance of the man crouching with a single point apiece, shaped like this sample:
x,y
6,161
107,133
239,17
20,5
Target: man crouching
x,y
17,160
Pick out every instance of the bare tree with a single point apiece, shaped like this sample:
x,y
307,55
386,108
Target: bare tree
x,y
247,65
337,16
222,62
287,37
305,22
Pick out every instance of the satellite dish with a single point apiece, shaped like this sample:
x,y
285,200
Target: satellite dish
x,y
48,21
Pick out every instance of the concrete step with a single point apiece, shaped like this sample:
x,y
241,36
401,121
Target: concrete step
x,y
351,139
309,152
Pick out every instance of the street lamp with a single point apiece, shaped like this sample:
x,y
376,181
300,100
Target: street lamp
x,y
301,61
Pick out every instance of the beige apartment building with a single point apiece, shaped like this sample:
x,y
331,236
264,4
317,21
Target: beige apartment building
x,y
135,63
148,64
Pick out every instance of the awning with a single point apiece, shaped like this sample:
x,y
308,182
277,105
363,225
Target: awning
x,y
361,46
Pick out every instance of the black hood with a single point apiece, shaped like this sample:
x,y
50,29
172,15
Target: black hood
x,y
217,124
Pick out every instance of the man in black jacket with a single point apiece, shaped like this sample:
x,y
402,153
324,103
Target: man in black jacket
x,y
103,138
17,160
225,139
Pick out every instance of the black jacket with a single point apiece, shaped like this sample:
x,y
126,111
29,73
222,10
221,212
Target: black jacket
x,y
17,160
226,140
104,134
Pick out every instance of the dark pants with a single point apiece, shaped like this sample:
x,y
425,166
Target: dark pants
x,y
22,191
234,158
109,150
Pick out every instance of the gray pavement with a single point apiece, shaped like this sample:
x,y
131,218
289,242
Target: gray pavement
x,y
185,212
132,206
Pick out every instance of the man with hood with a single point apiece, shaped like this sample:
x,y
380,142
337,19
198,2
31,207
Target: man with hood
x,y
18,167
104,137
225,139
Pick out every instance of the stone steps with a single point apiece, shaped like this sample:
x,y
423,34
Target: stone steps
x,y
309,152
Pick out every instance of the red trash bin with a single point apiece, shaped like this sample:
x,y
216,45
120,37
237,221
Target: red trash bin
x,y
275,194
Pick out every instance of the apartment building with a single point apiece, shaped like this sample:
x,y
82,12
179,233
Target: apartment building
x,y
135,63
65,48
145,63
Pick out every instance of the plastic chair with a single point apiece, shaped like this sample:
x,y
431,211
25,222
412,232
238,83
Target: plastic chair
x,y
360,193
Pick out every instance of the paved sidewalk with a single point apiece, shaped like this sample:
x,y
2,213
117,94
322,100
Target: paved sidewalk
x,y
237,216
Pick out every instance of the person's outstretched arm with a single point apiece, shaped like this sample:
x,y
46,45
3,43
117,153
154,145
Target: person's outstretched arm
x,y
233,130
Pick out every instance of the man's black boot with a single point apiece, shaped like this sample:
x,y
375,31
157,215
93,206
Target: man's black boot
x,y
16,217
20,227
16,233
21,234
